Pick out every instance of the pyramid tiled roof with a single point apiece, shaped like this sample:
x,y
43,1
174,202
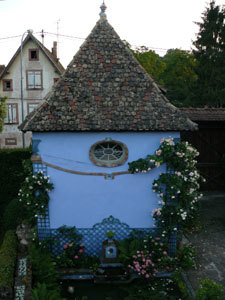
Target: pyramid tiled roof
x,y
105,89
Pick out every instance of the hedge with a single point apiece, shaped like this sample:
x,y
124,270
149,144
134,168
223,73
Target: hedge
x,y
12,174
8,255
14,214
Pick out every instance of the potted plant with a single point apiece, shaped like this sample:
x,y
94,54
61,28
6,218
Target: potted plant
x,y
110,235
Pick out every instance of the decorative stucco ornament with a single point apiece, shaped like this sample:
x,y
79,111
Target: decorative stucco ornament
x,y
103,9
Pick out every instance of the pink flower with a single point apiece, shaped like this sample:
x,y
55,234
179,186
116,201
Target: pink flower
x,y
65,246
81,245
81,250
158,152
76,256
146,276
164,252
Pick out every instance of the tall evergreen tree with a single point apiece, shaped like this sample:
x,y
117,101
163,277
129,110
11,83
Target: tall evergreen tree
x,y
210,56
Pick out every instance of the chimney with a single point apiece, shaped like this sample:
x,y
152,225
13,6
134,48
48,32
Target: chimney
x,y
54,50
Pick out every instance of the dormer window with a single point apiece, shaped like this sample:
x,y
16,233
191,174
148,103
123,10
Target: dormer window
x,y
7,85
33,54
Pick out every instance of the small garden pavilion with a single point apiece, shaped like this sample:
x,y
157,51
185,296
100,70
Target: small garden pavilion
x,y
104,112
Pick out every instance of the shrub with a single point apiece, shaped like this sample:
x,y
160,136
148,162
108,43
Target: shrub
x,y
41,292
8,254
13,215
43,266
12,173
185,257
209,290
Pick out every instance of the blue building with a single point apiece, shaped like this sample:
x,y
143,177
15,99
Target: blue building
x,y
104,112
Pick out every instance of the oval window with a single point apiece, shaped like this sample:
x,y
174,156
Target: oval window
x,y
108,153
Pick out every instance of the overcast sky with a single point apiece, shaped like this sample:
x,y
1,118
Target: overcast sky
x,y
159,24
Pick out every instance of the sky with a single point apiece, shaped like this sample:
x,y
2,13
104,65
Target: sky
x,y
157,24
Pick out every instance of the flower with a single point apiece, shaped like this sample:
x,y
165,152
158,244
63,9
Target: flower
x,y
65,246
81,251
158,152
76,256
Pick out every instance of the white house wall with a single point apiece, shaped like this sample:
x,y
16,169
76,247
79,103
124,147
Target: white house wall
x,y
30,96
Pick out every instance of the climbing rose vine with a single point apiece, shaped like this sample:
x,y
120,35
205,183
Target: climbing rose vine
x,y
178,188
34,193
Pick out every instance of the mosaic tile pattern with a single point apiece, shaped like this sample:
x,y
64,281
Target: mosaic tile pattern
x,y
43,224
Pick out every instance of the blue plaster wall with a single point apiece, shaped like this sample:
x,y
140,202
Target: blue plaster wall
x,y
83,201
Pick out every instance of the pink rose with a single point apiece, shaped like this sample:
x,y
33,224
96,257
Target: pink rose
x,y
76,256
164,252
146,276
81,251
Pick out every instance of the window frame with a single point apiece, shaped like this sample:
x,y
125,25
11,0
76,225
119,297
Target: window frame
x,y
41,79
37,51
112,163
4,82
7,112
30,103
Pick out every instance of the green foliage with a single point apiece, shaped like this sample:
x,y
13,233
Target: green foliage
x,y
179,76
43,266
12,174
2,111
150,61
13,215
209,53
34,194
156,289
110,234
209,290
178,190
8,254
41,292
185,257
129,247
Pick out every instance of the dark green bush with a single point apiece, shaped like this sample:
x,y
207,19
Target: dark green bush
x,y
209,290
13,215
12,174
43,267
8,254
41,292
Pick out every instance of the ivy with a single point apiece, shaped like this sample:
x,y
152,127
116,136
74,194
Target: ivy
x,y
178,188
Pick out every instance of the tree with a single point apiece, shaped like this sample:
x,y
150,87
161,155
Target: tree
x,y
2,111
179,76
150,61
210,56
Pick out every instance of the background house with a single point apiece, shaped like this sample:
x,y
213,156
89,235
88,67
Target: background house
x,y
41,69
104,112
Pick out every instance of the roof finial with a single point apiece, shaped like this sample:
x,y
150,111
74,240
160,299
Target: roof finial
x,y
103,9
